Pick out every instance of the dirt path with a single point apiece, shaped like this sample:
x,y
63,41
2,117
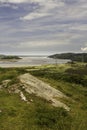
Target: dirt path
x,y
44,90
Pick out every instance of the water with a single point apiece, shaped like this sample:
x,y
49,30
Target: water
x,y
31,61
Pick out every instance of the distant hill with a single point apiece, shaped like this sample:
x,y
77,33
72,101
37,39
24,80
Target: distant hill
x,y
3,57
72,56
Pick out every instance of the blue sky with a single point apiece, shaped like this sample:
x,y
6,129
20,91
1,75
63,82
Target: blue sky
x,y
43,26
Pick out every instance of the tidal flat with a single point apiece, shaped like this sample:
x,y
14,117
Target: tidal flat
x,y
26,61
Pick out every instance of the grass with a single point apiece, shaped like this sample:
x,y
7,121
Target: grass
x,y
11,74
73,84
39,114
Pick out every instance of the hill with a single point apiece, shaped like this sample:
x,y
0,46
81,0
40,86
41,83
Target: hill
x,y
8,57
81,57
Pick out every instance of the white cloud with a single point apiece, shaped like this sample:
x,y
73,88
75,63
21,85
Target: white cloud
x,y
34,15
44,9
14,1
9,5
54,23
80,27
41,44
84,49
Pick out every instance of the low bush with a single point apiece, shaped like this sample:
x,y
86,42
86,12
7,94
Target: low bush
x,y
53,118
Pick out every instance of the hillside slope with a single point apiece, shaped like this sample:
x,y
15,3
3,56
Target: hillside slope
x,y
82,57
25,106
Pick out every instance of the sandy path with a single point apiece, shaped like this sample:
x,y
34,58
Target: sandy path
x,y
44,90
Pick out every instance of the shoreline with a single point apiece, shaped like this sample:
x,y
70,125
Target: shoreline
x,y
30,61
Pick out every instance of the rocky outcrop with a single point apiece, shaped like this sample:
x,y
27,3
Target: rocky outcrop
x,y
33,85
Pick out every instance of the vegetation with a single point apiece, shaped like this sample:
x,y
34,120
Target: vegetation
x,y
11,74
71,79
1,56
39,114
4,57
71,56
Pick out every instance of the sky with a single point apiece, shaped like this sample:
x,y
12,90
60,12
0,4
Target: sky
x,y
43,26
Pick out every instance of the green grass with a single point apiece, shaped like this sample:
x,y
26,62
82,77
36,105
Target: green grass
x,y
39,114
73,84
11,74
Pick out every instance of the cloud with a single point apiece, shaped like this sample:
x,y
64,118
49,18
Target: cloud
x,y
13,1
45,9
34,45
42,43
80,27
7,5
49,25
84,49
34,16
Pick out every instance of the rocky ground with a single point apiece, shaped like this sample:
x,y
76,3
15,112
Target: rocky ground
x,y
33,85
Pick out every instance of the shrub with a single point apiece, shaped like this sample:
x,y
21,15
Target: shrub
x,y
53,118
